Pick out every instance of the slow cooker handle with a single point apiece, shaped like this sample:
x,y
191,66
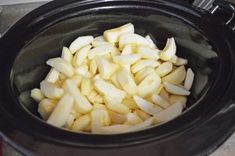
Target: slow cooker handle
x,y
213,6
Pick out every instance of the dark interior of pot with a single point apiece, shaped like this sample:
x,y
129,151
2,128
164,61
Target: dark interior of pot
x,y
30,65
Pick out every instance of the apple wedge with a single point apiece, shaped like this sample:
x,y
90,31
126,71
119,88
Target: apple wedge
x,y
81,55
126,80
62,66
128,49
133,119
177,76
108,89
99,41
100,50
66,54
181,61
164,69
169,113
50,90
174,89
151,43
169,51
81,123
147,52
36,94
45,107
80,42
81,104
115,105
133,39
61,112
126,59
188,82
144,63
52,76
140,75
112,35
157,99
147,106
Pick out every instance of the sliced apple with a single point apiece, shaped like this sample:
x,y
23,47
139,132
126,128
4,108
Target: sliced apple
x,y
50,90
100,50
174,89
99,41
126,80
157,99
117,118
81,70
45,107
164,69
133,119
169,113
60,114
93,67
144,63
62,66
81,55
115,105
177,76
169,51
128,49
181,61
81,104
140,75
52,76
188,82
133,39
149,85
69,121
108,89
147,52
80,42
126,59
151,43
86,86
66,54
81,123
36,94
141,114
147,106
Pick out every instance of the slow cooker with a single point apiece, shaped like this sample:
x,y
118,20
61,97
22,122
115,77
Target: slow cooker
x,y
201,37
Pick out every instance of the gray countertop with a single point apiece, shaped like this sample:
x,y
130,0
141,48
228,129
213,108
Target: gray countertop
x,y
10,14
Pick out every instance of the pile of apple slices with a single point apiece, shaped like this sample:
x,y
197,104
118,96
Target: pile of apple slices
x,y
115,83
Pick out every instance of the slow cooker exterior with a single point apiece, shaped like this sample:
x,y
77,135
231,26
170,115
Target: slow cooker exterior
x,y
200,130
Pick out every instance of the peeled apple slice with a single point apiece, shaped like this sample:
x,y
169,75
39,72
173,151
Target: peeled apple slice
x,y
113,129
69,121
50,90
62,66
66,54
142,125
147,106
61,112
81,123
105,68
81,70
93,67
117,118
108,89
133,39
128,49
99,41
36,94
130,103
178,98
149,85
140,75
177,76
188,82
169,51
80,42
169,113
100,50
133,119
81,55
144,63
142,114
98,119
147,52
164,68
86,86
181,61
151,43
126,80
81,104
126,59
116,106
45,107
112,35
157,99
173,89
52,76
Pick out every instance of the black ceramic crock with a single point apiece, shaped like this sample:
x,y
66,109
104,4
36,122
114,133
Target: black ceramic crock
x,y
203,39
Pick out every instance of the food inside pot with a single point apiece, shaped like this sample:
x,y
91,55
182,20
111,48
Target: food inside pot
x,y
114,83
